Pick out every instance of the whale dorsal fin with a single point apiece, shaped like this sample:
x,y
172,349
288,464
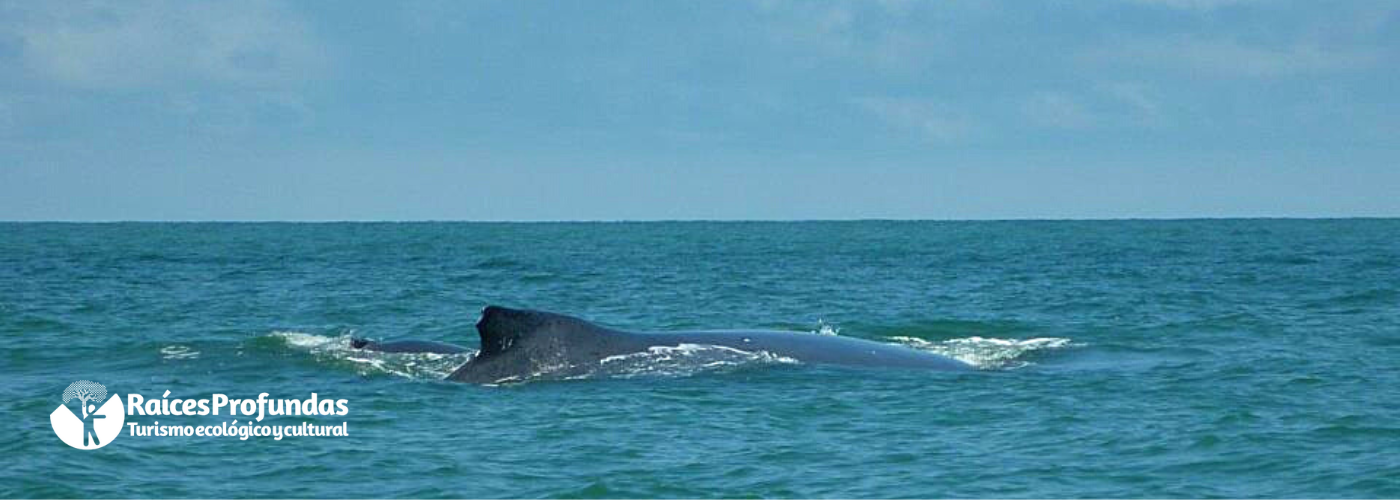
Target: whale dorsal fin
x,y
501,327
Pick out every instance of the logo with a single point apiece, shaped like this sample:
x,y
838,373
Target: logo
x,y
88,419
94,424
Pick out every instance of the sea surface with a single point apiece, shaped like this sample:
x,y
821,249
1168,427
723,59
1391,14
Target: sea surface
x,y
1195,358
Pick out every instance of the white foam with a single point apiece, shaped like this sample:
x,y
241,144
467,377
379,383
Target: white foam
x,y
178,352
415,365
307,341
684,359
542,372
986,353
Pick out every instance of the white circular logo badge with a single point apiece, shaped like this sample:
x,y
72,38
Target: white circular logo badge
x,y
94,423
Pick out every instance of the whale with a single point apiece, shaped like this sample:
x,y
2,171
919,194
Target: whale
x,y
520,344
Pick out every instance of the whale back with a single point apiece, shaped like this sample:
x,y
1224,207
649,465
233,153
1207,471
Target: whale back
x,y
501,328
522,342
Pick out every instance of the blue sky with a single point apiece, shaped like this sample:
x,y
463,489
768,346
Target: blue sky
x,y
330,110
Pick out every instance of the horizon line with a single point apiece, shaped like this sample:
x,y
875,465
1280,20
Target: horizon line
x,y
686,220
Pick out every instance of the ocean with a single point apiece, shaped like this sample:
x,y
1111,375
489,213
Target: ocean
x,y
1190,358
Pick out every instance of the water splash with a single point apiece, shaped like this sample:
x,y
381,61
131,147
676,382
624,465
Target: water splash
x,y
315,344
337,350
987,353
824,328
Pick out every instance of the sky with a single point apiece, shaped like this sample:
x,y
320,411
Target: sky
x,y
644,110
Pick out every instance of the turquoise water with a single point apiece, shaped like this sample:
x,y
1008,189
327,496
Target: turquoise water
x,y
1239,358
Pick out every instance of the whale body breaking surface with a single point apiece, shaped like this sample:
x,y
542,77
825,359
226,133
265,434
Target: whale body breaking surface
x,y
519,344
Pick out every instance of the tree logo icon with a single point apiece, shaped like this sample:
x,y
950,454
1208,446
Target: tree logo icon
x,y
98,424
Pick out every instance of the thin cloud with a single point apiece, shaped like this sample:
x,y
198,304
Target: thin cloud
x,y
891,35
1057,110
8,122
1199,5
928,118
1233,59
1141,101
159,44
